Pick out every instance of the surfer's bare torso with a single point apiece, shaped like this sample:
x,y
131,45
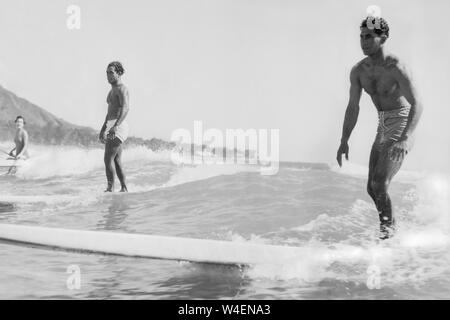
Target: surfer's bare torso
x,y
20,140
383,82
117,98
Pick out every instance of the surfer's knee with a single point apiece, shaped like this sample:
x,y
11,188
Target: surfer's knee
x,y
118,161
108,157
109,163
379,186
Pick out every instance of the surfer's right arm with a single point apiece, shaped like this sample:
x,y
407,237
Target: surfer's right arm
x,y
102,135
351,114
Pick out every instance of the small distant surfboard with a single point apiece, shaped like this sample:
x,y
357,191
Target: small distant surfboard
x,y
10,162
10,165
151,246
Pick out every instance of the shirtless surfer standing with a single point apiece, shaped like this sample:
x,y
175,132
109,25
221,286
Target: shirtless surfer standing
x,y
114,131
20,140
385,79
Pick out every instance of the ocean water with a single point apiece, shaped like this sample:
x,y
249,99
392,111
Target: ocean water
x,y
318,207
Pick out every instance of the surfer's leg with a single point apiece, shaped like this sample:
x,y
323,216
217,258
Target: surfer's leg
x,y
119,169
110,153
385,170
374,155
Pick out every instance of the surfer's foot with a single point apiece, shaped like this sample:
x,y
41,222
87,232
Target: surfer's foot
x,y
109,189
124,189
387,231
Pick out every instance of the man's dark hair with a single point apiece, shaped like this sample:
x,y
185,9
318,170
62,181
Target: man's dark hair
x,y
380,26
118,67
20,117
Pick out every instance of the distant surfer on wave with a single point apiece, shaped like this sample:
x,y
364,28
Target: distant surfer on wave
x,y
20,140
389,85
114,131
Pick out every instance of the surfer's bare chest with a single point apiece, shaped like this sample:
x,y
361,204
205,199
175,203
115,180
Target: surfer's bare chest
x,y
378,80
113,104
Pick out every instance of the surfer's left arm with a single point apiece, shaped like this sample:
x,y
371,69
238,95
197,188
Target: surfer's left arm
x,y
403,145
123,108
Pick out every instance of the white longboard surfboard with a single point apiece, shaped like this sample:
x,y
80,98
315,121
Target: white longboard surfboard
x,y
151,246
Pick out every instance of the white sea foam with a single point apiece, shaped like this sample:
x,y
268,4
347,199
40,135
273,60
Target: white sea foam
x,y
53,161
419,250
80,172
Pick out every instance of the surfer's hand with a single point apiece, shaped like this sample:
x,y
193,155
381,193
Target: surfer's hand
x,y
343,149
112,132
113,129
399,150
102,136
111,135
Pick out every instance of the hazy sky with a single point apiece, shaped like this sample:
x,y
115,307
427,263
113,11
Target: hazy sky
x,y
267,64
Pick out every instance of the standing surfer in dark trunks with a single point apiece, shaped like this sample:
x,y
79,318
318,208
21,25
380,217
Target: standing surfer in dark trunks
x,y
385,78
114,131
